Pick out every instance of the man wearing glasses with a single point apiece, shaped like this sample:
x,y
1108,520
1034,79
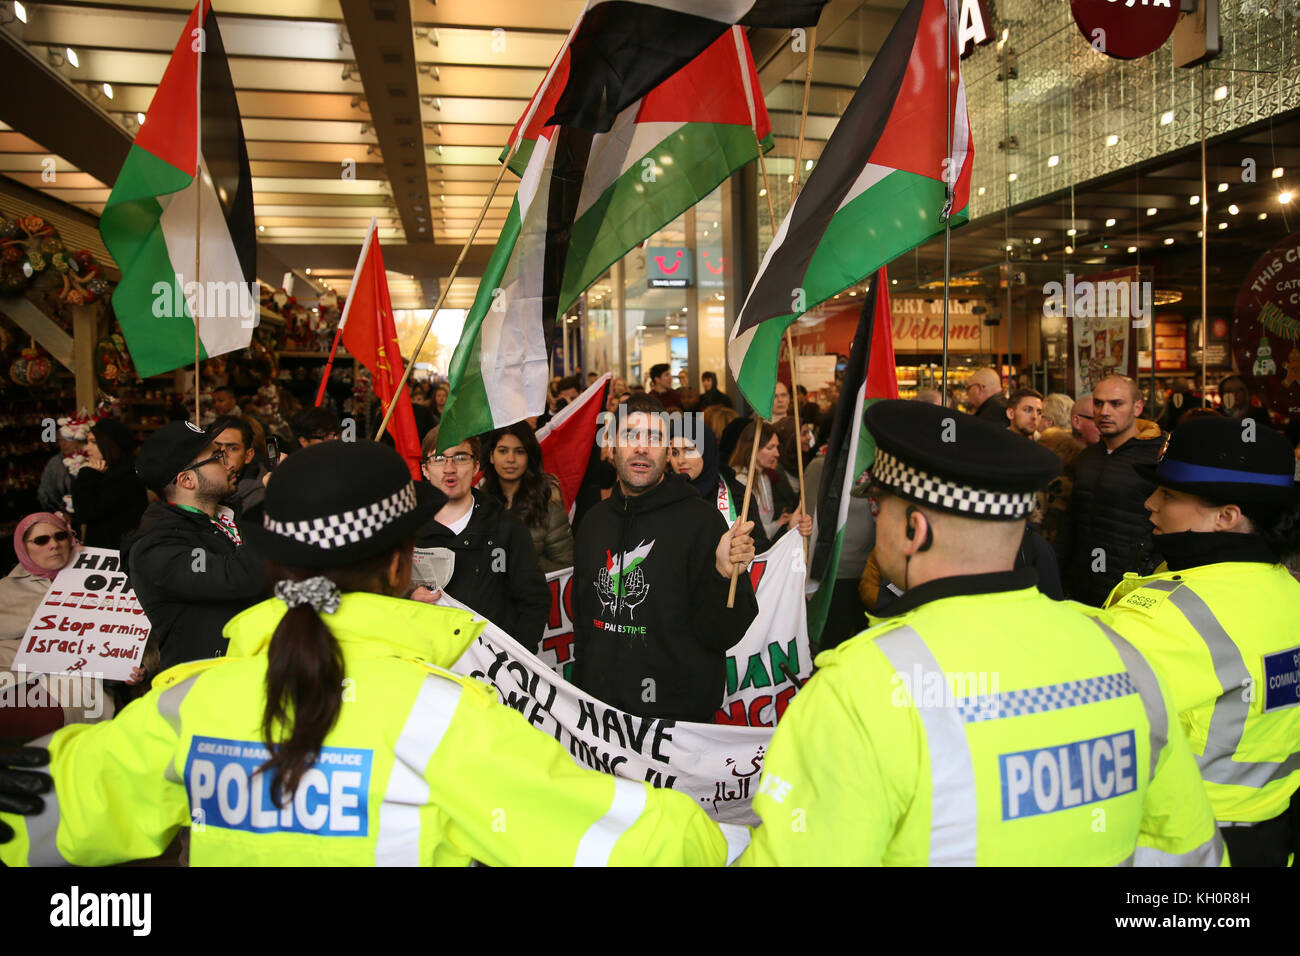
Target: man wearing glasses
x,y
496,573
186,560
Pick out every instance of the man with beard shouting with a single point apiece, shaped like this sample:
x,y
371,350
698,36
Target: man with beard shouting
x,y
652,567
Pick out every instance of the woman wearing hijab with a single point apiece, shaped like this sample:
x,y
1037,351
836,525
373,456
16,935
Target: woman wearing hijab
x,y
108,497
44,545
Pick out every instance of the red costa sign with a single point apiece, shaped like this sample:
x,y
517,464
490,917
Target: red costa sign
x,y
1125,29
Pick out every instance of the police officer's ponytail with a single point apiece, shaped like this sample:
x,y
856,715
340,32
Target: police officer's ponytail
x,y
304,671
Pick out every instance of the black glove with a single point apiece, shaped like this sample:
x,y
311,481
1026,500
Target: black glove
x,y
21,786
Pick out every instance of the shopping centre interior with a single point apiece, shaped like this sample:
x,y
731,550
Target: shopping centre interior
x,y
1087,168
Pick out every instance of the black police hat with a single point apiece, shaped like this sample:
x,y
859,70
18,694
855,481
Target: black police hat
x,y
955,462
1227,461
167,451
336,503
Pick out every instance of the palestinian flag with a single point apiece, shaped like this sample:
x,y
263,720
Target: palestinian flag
x,y
623,49
160,205
878,191
870,376
584,201
568,440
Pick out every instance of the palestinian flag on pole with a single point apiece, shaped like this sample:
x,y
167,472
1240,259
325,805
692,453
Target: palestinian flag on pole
x,y
584,201
160,207
569,440
878,191
623,49
870,376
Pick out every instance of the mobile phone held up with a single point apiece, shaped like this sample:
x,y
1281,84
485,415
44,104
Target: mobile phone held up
x,y
272,451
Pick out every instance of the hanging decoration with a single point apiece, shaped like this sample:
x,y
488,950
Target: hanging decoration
x,y
32,367
31,252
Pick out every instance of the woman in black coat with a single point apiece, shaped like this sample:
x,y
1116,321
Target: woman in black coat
x,y
108,497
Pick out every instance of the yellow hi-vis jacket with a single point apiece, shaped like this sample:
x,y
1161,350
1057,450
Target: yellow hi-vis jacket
x,y
987,729
1226,638
423,767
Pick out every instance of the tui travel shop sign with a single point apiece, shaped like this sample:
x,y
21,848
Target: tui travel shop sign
x,y
1125,29
1266,327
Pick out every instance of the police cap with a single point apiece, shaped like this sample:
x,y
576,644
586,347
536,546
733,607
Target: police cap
x,y
953,462
1228,462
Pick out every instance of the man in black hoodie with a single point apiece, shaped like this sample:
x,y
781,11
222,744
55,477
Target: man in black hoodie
x,y
185,560
652,565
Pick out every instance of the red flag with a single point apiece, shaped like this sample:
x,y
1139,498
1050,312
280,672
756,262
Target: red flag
x,y
370,335
567,440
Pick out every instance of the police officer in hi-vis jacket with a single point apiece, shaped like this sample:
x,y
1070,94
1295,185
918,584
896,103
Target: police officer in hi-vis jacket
x,y
981,723
1221,620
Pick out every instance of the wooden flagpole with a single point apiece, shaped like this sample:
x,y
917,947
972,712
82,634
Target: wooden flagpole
x,y
803,114
198,198
442,296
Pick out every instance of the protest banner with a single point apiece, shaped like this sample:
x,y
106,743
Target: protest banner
x,y
717,766
776,646
89,623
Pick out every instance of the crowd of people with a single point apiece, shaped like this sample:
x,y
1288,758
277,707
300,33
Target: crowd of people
x,y
244,538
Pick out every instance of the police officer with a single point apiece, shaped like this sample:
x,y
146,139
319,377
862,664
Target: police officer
x,y
331,734
981,723
1219,622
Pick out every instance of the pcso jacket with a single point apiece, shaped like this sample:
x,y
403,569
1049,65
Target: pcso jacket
x,y
191,579
1224,636
496,571
651,626
422,768
1109,532
984,724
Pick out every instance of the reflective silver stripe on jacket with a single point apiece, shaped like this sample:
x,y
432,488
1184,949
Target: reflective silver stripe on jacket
x,y
1219,763
1148,688
169,708
598,842
1209,853
398,840
953,824
43,829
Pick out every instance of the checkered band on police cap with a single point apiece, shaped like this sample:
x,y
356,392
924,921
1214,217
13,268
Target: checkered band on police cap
x,y
949,495
337,531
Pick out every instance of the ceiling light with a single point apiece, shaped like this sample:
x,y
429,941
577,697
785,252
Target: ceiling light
x,y
1166,117
1284,197
1112,139
853,292
1008,247
1169,240
1221,93
308,272
1223,225
1053,160
808,164
20,12
893,282
72,57
1037,239
1072,231
139,118
1011,178
762,192
1109,223
1069,250
1277,172
980,191
1195,200
1151,210
1132,248
1262,216
790,178
1234,209
108,90
1223,187
261,228
715,224
1200,234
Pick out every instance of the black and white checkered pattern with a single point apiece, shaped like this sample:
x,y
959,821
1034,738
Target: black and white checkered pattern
x,y
949,495
337,531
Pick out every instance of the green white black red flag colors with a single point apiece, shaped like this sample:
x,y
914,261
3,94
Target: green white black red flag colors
x,y
622,49
878,190
159,207
870,376
568,440
584,201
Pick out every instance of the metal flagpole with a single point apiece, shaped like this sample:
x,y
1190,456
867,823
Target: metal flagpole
x,y
1205,239
198,198
949,175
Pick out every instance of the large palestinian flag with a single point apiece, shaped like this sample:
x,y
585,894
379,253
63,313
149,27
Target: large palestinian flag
x,y
160,206
878,190
584,201
622,49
